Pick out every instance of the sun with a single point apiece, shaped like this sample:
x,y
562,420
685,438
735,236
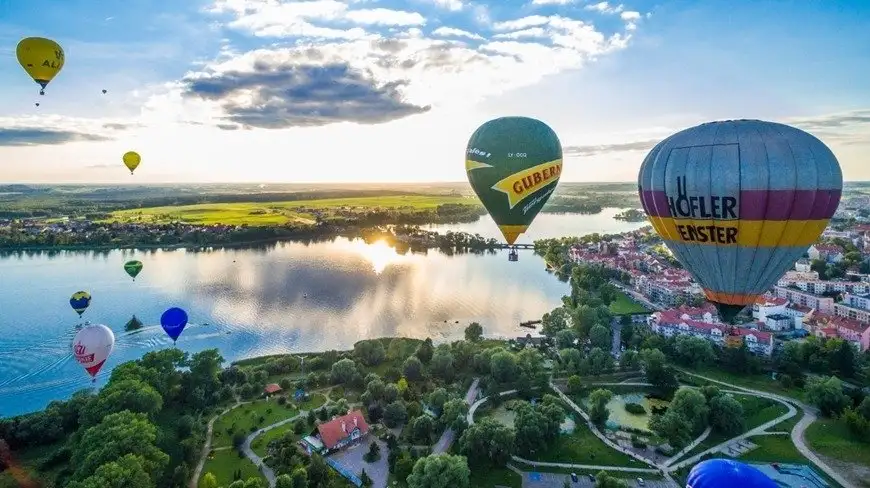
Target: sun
x,y
378,253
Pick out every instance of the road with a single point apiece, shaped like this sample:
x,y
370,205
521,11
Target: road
x,y
197,472
257,460
448,436
797,433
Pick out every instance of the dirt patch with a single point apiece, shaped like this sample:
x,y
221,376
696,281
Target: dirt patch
x,y
854,473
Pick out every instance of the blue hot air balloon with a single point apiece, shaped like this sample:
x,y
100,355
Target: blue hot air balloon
x,y
725,473
173,322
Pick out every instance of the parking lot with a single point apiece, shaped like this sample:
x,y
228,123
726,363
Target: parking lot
x,y
352,460
550,480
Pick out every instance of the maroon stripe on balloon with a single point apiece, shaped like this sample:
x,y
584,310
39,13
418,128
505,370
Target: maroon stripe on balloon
x,y
763,204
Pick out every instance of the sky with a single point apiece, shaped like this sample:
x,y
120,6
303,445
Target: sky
x,y
390,90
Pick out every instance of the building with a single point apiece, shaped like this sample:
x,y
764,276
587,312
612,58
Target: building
x,y
271,389
805,299
671,323
852,331
831,253
804,266
822,287
768,305
798,314
778,322
337,434
796,275
855,307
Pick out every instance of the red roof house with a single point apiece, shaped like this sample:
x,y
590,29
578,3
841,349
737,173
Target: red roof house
x,y
271,389
341,431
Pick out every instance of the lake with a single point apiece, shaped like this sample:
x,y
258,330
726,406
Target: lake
x,y
289,297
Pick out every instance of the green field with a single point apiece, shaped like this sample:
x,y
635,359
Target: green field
x,y
583,447
225,462
275,213
832,438
757,382
246,419
773,449
260,444
625,305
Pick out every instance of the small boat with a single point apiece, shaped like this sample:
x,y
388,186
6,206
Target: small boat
x,y
531,324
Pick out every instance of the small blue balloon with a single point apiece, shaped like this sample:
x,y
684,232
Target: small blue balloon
x,y
173,322
725,473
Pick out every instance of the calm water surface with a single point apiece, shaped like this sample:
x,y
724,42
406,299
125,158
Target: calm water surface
x,y
249,302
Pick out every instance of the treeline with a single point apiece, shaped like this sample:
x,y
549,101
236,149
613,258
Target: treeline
x,y
143,429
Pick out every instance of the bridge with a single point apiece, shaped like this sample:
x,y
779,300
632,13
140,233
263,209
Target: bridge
x,y
516,246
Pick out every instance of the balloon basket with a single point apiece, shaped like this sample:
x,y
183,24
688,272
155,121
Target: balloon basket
x,y
512,254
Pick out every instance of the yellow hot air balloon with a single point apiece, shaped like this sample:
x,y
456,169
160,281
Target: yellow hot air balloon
x,y
42,59
132,160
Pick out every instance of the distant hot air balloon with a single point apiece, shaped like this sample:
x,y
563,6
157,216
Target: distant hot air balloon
x,y
133,268
37,104
79,301
132,160
738,202
104,91
513,165
725,473
173,322
41,58
92,346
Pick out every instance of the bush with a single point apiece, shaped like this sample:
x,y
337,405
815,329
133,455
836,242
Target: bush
x,y
635,408
637,443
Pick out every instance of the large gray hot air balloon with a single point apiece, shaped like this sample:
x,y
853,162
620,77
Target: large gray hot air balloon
x,y
738,202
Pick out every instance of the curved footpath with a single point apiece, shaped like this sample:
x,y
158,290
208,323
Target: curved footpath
x,y
797,433
197,472
257,460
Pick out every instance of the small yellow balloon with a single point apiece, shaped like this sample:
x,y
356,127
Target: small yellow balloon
x,y
41,58
132,160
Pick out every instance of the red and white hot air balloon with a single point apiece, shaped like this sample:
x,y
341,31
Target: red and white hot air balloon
x,y
92,346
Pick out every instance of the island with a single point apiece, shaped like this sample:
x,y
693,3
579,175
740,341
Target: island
x,y
631,215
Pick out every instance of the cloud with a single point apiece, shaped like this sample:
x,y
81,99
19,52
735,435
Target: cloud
x,y
848,128
34,136
605,8
552,2
286,94
453,5
339,63
453,32
592,150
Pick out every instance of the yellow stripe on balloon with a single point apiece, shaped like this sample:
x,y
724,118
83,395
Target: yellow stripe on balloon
x,y
744,233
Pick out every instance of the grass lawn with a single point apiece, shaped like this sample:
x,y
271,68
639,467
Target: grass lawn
x,y
832,438
774,448
582,447
625,305
488,478
275,213
245,419
225,462
260,444
759,410
314,401
761,382
788,425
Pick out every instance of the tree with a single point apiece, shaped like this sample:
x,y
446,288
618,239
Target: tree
x,y
437,399
503,366
439,471
365,478
125,472
116,436
554,322
209,481
370,352
692,406
657,372
376,389
604,480
598,411
827,394
404,465
487,443
454,415
599,336
726,414
565,339
424,351
344,371
441,365
573,362
841,357
629,360
318,472
413,368
128,394
395,414
671,426
575,384
694,351
284,481
600,361
473,332
422,428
